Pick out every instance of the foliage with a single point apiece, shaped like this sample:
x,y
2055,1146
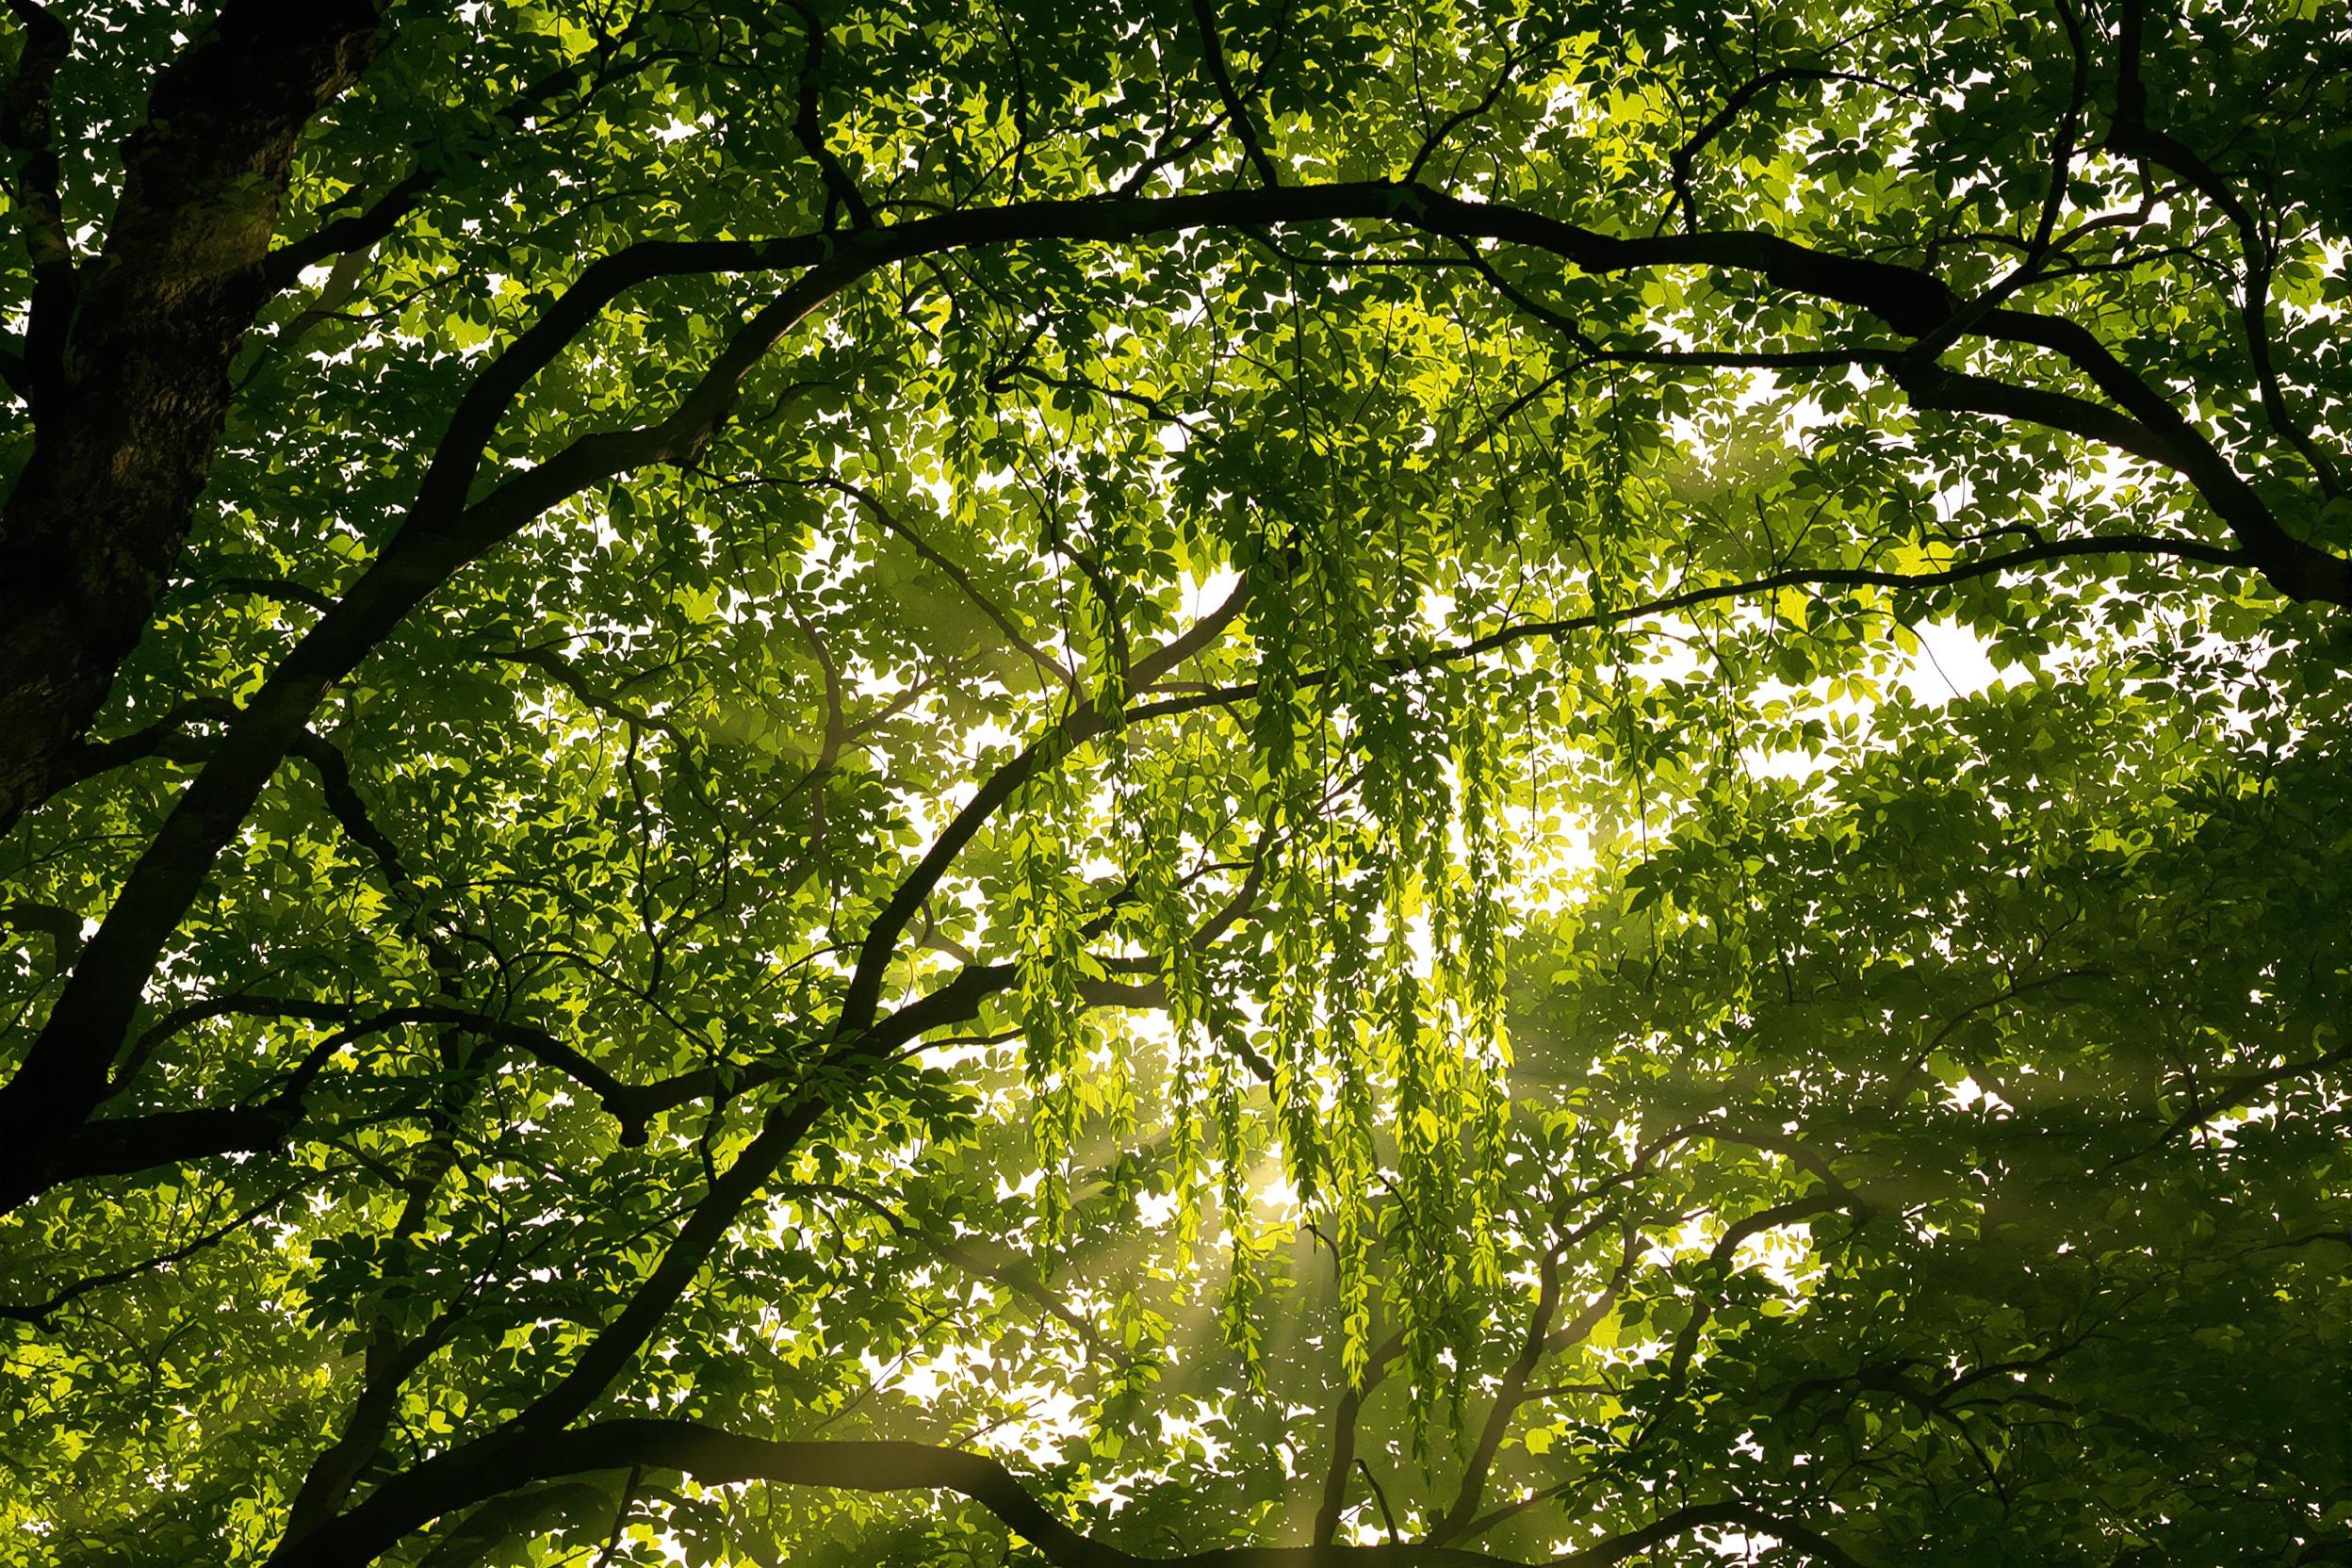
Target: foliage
x,y
1126,780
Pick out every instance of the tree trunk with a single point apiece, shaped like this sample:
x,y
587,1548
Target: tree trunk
x,y
126,363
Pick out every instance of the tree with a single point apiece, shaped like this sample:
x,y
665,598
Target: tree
x,y
1118,782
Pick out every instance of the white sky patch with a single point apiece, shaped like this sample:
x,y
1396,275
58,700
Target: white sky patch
x,y
1967,1094
1273,1194
1952,662
1203,594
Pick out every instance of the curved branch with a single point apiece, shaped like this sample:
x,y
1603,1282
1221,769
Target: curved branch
x,y
1726,1248
1748,1517
1083,724
1514,56
2132,135
43,1315
2295,568
1212,58
840,191
1666,604
1345,1416
466,1476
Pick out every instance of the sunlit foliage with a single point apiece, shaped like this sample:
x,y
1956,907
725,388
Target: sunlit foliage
x,y
1276,783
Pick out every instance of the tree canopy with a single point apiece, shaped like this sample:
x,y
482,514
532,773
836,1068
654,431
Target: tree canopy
x,y
1261,783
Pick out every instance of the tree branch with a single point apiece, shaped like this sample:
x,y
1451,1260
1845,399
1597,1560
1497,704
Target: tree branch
x,y
1345,1416
2130,134
464,1476
955,574
840,190
45,1314
1237,113
1534,1345
361,231
1684,158
62,925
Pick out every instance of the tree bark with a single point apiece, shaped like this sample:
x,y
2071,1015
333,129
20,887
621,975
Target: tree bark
x,y
127,357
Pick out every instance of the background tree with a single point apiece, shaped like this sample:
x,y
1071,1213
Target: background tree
x,y
1156,781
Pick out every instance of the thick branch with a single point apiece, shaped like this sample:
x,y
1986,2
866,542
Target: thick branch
x,y
123,1145
1346,1414
62,925
466,1476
